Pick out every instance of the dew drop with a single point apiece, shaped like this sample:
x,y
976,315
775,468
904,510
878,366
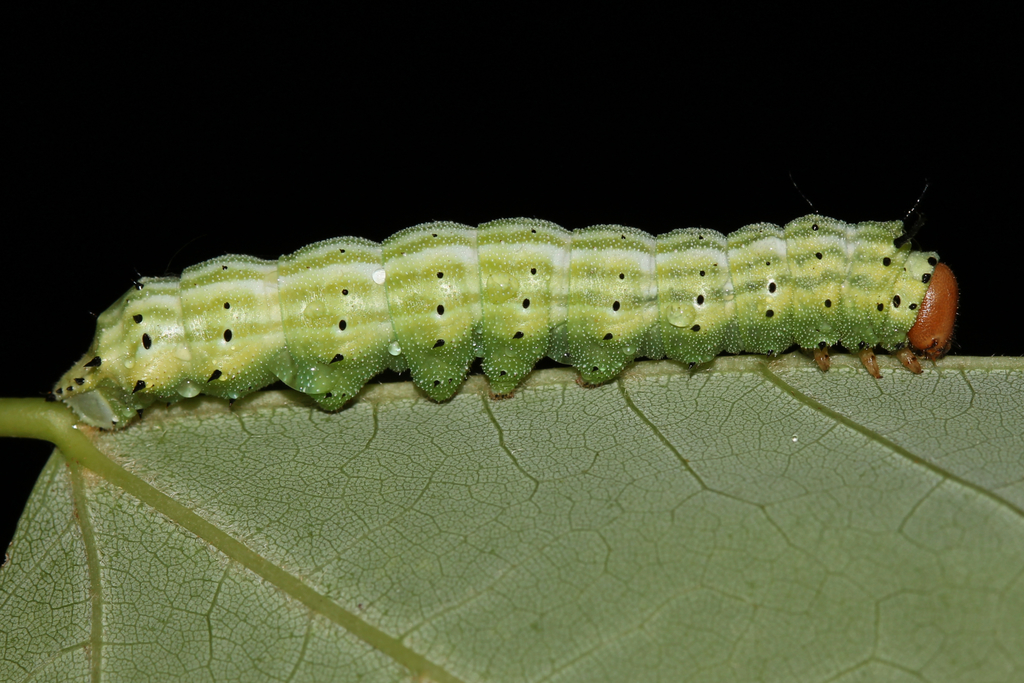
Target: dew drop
x,y
502,286
379,275
682,316
394,349
795,439
188,389
313,309
129,364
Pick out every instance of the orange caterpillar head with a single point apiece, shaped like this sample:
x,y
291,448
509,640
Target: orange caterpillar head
x,y
932,332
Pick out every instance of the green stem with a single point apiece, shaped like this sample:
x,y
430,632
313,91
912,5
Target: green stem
x,y
35,418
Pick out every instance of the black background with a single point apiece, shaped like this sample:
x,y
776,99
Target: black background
x,y
143,143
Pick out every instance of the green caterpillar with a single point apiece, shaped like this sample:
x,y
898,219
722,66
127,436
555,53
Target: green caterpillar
x,y
432,298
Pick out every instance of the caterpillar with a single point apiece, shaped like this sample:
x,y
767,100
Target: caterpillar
x,y
432,298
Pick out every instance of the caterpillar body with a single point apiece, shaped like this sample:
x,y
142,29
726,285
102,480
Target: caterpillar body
x,y
432,298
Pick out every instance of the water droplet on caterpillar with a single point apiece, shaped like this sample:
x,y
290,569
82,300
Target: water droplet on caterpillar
x,y
502,287
379,276
394,349
314,309
188,389
682,316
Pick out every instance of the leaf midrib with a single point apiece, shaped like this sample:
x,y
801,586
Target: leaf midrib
x,y
78,450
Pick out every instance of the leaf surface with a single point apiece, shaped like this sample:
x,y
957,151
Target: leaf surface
x,y
756,521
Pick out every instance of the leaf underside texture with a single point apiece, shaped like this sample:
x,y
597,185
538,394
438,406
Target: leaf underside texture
x,y
750,520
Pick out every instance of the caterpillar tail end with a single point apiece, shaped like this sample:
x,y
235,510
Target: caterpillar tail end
x,y
96,402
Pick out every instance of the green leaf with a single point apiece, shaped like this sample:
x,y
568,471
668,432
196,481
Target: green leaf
x,y
751,521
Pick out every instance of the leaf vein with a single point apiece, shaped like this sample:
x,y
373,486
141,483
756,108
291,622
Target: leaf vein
x,y
889,444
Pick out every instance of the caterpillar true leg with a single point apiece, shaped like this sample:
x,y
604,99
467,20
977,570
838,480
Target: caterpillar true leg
x,y
822,358
870,361
909,360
